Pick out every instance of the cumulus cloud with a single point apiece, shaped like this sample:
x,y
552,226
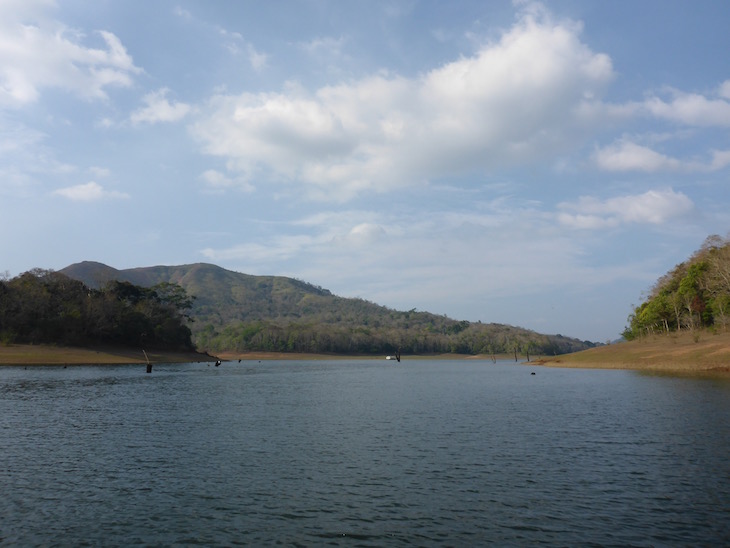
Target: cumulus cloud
x,y
159,109
625,155
724,89
628,156
693,109
89,192
37,52
653,207
514,100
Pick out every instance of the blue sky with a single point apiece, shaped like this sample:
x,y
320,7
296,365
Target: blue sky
x,y
536,164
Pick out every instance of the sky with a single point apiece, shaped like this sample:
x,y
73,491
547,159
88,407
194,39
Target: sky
x,y
538,164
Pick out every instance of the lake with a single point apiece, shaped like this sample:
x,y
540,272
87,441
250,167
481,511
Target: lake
x,y
362,453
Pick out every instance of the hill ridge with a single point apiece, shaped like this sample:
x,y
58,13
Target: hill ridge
x,y
233,310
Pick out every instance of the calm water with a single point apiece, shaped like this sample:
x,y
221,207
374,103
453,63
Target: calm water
x,y
361,453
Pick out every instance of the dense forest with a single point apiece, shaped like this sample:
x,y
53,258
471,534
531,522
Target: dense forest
x,y
206,307
236,312
694,294
462,338
43,306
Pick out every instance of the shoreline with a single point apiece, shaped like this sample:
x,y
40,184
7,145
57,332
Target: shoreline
x,y
691,352
698,352
689,369
243,356
45,354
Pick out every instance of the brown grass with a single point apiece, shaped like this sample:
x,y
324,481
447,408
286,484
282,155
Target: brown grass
x,y
680,352
700,351
25,354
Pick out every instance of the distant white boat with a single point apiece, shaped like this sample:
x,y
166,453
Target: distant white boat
x,y
389,357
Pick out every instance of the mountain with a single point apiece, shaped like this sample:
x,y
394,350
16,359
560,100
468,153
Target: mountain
x,y
238,312
221,295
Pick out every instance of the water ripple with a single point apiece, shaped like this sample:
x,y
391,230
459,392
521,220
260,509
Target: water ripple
x,y
361,454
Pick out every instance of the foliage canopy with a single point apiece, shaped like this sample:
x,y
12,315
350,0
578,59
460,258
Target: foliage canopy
x,y
694,294
239,312
43,306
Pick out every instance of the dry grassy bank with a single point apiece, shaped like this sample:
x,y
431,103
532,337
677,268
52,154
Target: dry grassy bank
x,y
233,356
26,354
680,352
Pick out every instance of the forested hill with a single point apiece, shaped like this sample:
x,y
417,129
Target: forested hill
x,y
694,294
241,312
47,307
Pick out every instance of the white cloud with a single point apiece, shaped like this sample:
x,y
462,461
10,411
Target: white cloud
x,y
514,100
217,181
724,89
628,156
37,52
236,45
89,192
693,109
182,13
99,171
720,159
257,58
159,109
625,155
324,46
653,207
364,234
457,259
233,42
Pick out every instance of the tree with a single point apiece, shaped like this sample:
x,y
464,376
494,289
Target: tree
x,y
42,306
693,294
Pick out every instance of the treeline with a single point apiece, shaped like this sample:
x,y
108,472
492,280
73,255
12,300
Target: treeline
x,y
314,337
43,306
694,294
237,312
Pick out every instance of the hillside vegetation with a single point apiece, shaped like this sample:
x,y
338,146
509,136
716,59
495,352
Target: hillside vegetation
x,y
42,306
236,312
681,327
695,294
